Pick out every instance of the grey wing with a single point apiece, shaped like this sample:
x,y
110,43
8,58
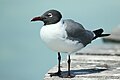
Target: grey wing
x,y
75,31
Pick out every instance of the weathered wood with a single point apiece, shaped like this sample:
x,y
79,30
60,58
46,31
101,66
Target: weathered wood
x,y
95,63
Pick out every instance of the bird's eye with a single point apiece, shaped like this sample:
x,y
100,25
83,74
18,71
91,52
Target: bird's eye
x,y
50,15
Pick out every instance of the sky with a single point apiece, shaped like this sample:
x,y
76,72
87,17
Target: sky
x,y
22,51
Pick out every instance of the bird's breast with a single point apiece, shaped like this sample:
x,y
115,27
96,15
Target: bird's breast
x,y
51,34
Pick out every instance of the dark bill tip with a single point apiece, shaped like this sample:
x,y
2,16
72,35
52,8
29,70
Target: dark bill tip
x,y
37,19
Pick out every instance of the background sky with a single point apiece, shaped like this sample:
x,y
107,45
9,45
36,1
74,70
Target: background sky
x,y
23,56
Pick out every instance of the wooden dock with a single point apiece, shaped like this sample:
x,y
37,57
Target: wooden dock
x,y
93,63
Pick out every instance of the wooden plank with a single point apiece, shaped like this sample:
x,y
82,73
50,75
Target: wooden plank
x,y
91,67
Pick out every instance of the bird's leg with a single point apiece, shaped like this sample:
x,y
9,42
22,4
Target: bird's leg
x,y
69,61
59,60
59,70
68,75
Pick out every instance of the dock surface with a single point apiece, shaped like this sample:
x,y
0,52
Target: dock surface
x,y
93,63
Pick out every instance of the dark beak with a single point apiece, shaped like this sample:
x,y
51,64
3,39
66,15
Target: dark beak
x,y
37,19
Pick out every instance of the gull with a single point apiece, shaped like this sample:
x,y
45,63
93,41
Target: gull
x,y
65,36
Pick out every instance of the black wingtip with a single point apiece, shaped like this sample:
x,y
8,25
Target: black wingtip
x,y
98,33
102,35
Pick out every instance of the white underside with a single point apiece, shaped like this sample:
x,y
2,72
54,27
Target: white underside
x,y
54,36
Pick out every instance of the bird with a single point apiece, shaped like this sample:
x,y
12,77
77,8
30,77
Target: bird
x,y
65,36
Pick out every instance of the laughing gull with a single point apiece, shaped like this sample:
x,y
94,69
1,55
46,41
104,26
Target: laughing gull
x,y
66,36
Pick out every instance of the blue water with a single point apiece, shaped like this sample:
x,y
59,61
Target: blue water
x,y
23,56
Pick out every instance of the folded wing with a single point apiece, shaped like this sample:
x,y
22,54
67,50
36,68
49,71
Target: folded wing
x,y
76,32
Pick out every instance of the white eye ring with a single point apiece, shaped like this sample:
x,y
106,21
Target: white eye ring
x,y
50,15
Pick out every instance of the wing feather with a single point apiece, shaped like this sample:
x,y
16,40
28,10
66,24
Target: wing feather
x,y
75,31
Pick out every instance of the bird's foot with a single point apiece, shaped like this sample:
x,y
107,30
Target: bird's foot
x,y
55,74
67,76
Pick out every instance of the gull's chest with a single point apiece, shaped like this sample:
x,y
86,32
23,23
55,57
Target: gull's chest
x,y
52,33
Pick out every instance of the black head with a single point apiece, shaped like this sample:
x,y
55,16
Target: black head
x,y
49,17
